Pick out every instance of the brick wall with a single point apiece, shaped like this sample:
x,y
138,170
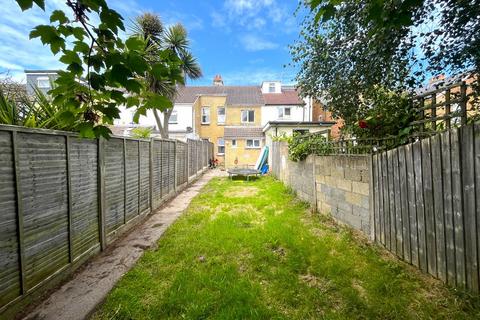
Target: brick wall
x,y
341,186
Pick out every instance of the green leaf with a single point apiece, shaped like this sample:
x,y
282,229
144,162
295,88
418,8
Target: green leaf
x,y
25,4
137,63
102,131
79,33
75,68
156,101
132,101
135,44
69,57
133,86
120,74
112,19
59,16
80,46
159,71
97,81
86,130
48,35
40,3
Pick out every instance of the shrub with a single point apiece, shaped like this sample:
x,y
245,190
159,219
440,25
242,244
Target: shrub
x,y
300,146
141,132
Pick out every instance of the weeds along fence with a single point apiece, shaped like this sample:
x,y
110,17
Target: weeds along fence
x,y
64,198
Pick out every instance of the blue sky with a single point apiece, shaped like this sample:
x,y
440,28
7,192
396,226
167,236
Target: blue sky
x,y
246,41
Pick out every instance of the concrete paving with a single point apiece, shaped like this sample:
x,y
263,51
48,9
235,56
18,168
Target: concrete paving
x,y
78,298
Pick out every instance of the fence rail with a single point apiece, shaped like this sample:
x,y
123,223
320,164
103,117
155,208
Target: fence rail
x,y
64,198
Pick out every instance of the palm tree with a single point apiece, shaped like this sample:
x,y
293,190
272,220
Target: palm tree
x,y
150,27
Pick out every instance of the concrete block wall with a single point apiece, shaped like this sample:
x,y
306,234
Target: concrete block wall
x,y
343,189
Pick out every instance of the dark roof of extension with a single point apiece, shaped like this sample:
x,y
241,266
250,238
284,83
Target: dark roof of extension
x,y
286,97
237,132
236,95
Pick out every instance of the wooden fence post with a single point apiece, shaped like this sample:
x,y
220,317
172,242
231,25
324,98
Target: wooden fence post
x,y
139,176
188,161
124,181
152,206
175,159
20,230
69,192
463,103
101,192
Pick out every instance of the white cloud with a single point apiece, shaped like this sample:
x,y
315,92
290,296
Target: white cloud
x,y
254,43
257,14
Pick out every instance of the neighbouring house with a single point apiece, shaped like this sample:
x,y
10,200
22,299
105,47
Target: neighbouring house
x,y
41,79
227,116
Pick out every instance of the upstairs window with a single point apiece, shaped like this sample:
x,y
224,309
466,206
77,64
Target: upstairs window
x,y
173,117
248,116
205,115
271,87
284,112
253,144
221,146
43,83
234,143
221,115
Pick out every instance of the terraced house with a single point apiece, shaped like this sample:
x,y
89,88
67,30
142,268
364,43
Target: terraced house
x,y
228,116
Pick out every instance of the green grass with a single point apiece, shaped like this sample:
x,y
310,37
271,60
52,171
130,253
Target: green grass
x,y
251,250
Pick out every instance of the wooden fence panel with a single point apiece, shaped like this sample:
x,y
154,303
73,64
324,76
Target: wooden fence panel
x,y
42,168
84,188
412,205
426,202
386,205
114,184
448,208
438,208
10,281
144,176
165,169
132,179
376,216
476,160
397,204
404,205
457,197
157,173
171,166
422,239
468,183
429,208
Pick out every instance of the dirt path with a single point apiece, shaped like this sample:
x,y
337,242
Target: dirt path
x,y
78,298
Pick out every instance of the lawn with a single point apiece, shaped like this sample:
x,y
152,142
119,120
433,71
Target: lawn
x,y
251,250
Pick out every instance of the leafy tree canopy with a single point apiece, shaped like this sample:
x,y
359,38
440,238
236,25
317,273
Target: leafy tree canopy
x,y
102,71
349,49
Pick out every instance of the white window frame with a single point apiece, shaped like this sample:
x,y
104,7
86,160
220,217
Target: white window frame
x,y
255,144
175,115
42,80
221,118
248,116
271,86
234,143
282,114
205,112
220,144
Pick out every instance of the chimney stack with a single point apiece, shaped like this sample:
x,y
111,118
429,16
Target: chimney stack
x,y
217,81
